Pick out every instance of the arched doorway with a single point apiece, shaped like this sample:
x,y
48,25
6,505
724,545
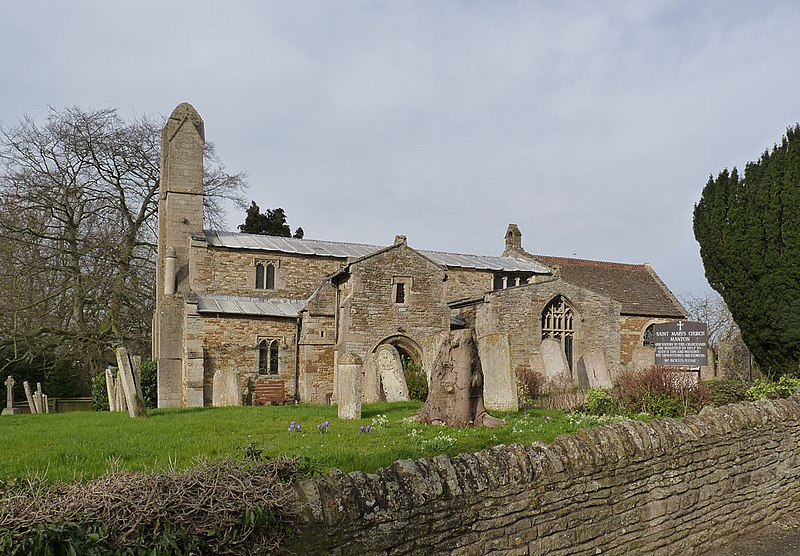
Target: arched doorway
x,y
558,323
411,360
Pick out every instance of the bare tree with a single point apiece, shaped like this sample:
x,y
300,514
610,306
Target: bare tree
x,y
78,210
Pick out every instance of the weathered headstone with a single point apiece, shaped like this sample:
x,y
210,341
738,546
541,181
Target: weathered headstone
x,y
371,383
46,403
597,370
555,360
499,383
37,398
135,403
10,409
349,377
225,389
455,396
29,396
111,390
390,371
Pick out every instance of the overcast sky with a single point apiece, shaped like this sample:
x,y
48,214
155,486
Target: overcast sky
x,y
591,125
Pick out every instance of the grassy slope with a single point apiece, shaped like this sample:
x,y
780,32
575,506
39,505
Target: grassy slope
x,y
80,446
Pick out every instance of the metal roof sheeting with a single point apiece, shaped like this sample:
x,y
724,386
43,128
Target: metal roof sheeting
x,y
481,262
259,306
296,246
335,249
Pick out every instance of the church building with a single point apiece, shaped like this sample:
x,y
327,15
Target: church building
x,y
243,318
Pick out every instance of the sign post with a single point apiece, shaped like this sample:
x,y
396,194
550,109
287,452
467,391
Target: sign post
x,y
681,344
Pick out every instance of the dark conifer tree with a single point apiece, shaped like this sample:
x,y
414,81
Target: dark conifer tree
x,y
271,223
748,229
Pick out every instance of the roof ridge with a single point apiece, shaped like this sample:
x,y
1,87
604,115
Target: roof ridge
x,y
593,262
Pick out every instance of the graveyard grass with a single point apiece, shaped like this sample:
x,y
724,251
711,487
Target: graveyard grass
x,y
79,446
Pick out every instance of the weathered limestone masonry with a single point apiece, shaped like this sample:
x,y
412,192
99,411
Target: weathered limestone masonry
x,y
180,215
517,312
662,488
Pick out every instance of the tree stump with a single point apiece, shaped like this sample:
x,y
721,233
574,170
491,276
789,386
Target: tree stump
x,y
455,392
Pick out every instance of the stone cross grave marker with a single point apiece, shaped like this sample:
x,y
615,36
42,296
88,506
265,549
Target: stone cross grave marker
x,y
10,409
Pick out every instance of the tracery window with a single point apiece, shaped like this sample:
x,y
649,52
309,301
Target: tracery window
x,y
647,337
268,357
558,323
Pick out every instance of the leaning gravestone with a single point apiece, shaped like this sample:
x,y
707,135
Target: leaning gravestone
x,y
455,394
135,402
390,371
555,360
10,409
225,389
597,370
29,396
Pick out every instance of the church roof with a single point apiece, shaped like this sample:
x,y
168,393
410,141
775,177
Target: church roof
x,y
635,286
335,249
256,306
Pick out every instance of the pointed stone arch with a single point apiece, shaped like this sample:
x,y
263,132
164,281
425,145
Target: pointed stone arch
x,y
558,321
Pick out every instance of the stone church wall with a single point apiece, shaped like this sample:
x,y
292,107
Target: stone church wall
x,y
465,283
517,312
659,488
369,312
232,272
231,344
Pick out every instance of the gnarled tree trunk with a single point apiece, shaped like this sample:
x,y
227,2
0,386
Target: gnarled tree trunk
x,y
455,393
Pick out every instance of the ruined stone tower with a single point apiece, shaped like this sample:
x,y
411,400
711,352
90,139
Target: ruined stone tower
x,y
180,215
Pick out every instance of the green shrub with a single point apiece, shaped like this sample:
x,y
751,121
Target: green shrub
x,y
149,374
600,402
784,388
416,379
99,393
724,392
661,392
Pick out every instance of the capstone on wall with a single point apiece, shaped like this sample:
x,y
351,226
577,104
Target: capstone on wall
x,y
659,488
517,312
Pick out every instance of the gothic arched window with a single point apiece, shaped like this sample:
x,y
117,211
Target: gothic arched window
x,y
259,276
647,337
268,357
265,276
557,323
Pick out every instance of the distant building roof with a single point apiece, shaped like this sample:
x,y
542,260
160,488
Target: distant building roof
x,y
255,306
341,250
635,286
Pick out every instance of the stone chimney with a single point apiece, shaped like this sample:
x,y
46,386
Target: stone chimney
x,y
399,240
513,239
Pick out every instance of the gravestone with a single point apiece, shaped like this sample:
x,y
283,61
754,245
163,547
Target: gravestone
x,y
555,360
10,409
499,382
111,389
455,396
597,370
371,383
390,371
135,402
349,377
225,389
37,398
29,396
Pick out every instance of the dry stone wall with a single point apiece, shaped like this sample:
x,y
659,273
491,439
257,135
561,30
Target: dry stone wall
x,y
663,487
